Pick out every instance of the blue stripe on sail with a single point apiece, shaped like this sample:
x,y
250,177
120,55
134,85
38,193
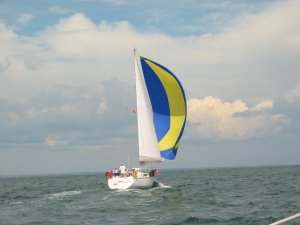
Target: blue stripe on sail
x,y
169,154
159,101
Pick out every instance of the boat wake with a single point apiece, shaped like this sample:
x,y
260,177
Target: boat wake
x,y
63,194
161,185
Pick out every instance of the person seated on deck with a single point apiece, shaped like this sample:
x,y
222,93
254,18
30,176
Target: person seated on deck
x,y
116,172
122,169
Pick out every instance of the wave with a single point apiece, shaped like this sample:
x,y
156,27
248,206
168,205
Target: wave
x,y
16,203
63,194
106,197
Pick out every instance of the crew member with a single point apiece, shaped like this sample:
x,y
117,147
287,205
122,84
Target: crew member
x,y
122,169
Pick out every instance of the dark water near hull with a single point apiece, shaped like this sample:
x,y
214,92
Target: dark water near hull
x,y
212,196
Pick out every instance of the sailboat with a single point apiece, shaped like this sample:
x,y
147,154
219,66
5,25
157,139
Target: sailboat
x,y
161,117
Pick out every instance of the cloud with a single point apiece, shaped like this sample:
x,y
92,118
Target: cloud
x,y
75,78
55,141
60,10
13,117
78,38
212,118
293,96
102,107
114,2
70,117
262,106
243,56
25,18
4,64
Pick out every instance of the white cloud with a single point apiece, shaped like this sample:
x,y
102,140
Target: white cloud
x,y
76,23
262,106
25,18
31,112
114,2
293,96
60,10
234,59
211,118
78,38
102,107
53,141
66,108
4,64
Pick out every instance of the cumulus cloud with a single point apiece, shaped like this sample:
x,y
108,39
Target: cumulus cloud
x,y
212,118
79,38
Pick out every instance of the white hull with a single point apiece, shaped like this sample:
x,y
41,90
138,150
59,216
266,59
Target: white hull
x,y
131,182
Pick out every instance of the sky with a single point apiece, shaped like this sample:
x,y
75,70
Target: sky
x,y
67,87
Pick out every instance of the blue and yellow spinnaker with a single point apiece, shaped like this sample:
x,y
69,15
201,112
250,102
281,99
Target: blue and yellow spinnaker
x,y
168,105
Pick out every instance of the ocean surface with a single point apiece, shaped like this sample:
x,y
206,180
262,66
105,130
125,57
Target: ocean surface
x,y
237,196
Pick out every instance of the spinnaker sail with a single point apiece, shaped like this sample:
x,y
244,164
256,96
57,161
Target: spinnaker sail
x,y
161,110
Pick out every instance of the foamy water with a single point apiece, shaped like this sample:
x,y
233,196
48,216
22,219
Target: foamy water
x,y
63,194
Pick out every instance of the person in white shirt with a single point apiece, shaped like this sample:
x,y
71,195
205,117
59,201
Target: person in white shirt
x,y
122,169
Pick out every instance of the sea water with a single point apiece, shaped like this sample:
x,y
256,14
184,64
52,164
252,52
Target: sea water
x,y
237,196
